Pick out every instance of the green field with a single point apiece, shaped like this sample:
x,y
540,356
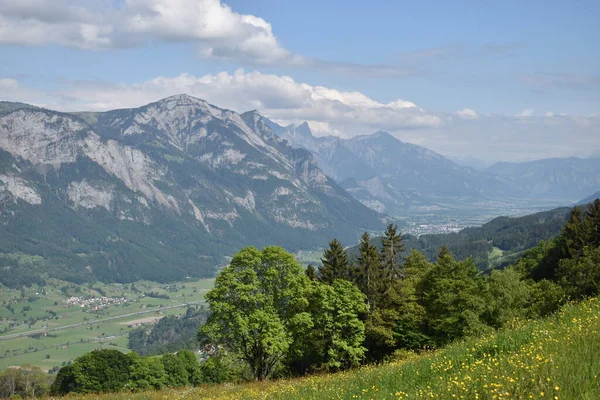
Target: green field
x,y
42,309
554,358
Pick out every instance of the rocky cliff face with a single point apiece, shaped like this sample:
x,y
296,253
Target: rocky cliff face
x,y
159,192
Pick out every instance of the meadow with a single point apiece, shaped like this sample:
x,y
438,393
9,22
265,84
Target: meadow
x,y
42,309
554,358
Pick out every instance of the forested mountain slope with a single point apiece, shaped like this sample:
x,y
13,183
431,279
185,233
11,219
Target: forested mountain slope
x,y
492,244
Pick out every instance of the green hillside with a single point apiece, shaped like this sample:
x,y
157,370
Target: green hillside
x,y
545,359
495,244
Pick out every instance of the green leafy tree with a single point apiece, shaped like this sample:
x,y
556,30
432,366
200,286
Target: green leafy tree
x,y
146,373
259,307
546,297
334,263
192,367
99,371
224,366
175,369
336,340
27,381
64,382
451,296
580,277
507,296
409,330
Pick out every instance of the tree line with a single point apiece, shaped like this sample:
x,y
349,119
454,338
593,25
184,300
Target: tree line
x,y
270,318
278,321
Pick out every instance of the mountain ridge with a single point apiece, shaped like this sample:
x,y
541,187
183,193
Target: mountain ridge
x,y
161,192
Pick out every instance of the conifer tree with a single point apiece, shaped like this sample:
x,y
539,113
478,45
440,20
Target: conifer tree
x,y
575,234
311,272
391,247
592,217
334,263
368,269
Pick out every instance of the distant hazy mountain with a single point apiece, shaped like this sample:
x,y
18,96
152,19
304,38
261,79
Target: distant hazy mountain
x,y
560,178
590,198
157,192
470,161
392,176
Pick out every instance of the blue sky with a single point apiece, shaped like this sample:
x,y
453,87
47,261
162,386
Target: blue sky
x,y
500,80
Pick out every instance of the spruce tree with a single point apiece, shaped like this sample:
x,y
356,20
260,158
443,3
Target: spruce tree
x,y
334,263
391,247
368,269
575,234
311,272
592,217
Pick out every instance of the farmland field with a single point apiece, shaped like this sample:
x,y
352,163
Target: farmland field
x,y
50,326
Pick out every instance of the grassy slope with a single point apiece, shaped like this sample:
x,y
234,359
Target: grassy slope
x,y
553,358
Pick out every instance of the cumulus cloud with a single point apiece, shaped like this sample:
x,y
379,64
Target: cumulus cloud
x,y
217,31
334,112
279,97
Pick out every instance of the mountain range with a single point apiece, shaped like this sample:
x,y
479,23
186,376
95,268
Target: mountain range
x,y
398,178
569,178
160,192
172,188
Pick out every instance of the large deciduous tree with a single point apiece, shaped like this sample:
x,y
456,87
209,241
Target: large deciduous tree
x,y
338,332
259,307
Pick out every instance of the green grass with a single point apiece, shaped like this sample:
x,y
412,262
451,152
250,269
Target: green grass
x,y
558,357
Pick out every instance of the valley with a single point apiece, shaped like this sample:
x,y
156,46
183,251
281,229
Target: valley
x,y
49,326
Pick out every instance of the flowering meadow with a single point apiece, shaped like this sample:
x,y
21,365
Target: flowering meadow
x,y
553,358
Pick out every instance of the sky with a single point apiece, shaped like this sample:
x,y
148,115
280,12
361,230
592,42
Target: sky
x,y
495,80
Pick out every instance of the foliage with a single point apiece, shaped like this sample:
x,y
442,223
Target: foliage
x,y
336,338
258,307
99,371
507,296
171,333
512,235
334,263
103,371
450,292
550,358
25,381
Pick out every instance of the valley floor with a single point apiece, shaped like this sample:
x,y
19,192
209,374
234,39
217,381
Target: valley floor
x,y
554,358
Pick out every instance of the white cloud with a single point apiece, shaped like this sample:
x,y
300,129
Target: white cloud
x,y
467,113
279,97
217,30
526,113
342,113
214,28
